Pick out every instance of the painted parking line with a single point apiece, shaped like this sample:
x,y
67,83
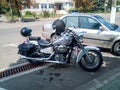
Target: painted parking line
x,y
107,54
11,45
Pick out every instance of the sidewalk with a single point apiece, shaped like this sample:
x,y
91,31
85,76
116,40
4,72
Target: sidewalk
x,y
113,85
107,81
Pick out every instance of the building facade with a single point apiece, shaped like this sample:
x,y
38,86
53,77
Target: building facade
x,y
57,6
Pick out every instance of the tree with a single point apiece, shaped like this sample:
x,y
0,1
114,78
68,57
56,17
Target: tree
x,y
99,5
2,3
95,5
118,2
84,5
15,5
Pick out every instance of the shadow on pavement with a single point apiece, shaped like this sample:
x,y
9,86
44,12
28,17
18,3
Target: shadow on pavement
x,y
20,61
58,77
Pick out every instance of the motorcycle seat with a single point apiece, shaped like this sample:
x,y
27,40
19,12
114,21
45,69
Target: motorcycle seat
x,y
34,38
44,43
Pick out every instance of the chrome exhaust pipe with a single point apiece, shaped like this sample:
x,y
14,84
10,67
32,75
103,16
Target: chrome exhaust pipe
x,y
42,59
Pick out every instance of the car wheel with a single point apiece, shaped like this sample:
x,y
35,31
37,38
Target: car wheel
x,y
54,37
116,48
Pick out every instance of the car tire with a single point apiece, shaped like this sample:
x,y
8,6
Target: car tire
x,y
54,37
116,49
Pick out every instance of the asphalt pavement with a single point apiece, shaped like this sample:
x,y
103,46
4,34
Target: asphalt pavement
x,y
66,77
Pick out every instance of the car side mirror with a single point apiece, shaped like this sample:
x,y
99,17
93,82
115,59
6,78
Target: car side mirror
x,y
102,28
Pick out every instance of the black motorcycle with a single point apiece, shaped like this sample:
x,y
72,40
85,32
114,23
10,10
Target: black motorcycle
x,y
61,51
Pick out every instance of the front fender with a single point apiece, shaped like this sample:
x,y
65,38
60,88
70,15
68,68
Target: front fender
x,y
81,52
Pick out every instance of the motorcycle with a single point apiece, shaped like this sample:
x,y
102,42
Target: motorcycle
x,y
63,50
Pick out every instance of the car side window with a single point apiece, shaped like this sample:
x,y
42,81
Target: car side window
x,y
71,20
89,23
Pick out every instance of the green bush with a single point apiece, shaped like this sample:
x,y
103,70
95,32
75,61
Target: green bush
x,y
45,14
7,14
52,14
28,13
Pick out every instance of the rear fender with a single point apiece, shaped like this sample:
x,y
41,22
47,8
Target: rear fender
x,y
33,42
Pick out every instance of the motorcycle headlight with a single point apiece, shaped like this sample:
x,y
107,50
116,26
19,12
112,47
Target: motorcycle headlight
x,y
80,35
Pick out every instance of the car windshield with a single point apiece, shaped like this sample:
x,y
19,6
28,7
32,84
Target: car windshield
x,y
108,25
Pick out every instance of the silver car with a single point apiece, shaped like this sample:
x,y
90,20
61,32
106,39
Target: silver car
x,y
99,32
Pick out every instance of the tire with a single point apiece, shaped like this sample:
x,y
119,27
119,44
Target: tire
x,y
96,63
54,37
116,48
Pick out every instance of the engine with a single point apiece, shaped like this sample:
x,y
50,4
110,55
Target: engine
x,y
61,52
61,49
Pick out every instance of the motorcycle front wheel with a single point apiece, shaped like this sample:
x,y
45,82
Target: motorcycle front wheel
x,y
94,64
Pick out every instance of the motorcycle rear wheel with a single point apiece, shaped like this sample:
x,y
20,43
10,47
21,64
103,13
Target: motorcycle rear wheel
x,y
93,65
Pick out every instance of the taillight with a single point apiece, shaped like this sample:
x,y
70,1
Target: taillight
x,y
42,28
26,41
83,41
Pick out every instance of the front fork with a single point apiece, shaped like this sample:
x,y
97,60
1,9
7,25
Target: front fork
x,y
84,51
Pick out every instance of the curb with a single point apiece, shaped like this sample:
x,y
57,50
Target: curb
x,y
99,82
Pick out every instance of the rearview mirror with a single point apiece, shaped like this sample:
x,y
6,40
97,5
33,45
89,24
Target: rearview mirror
x,y
102,28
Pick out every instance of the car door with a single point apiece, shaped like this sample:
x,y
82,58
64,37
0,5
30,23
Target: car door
x,y
94,36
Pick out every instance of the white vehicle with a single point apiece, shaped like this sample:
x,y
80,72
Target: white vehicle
x,y
99,32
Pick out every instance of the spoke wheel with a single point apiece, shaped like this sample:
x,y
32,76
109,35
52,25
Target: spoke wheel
x,y
94,64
